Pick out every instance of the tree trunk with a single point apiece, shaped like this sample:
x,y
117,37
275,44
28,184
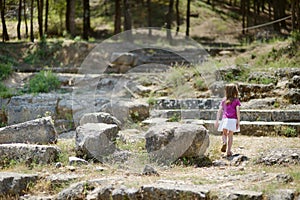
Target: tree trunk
x,y
117,17
19,20
149,17
177,17
46,16
86,19
276,16
127,20
25,19
40,6
31,21
298,14
188,13
243,9
5,36
169,20
70,17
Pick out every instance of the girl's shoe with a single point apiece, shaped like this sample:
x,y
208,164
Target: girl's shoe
x,y
223,148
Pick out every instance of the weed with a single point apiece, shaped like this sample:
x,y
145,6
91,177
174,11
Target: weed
x,y
200,84
290,132
5,71
4,91
44,81
175,118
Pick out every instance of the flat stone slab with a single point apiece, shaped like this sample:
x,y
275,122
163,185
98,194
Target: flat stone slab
x,y
259,128
15,183
246,115
38,131
28,153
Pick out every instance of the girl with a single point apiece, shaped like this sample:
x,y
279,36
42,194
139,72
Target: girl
x,y
230,107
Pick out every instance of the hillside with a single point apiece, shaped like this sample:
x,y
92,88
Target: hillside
x,y
67,87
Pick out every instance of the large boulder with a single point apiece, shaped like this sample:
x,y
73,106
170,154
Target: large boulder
x,y
167,142
96,140
127,110
15,184
100,117
29,107
28,153
38,131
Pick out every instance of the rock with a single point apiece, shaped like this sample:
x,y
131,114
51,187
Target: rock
x,y
38,131
255,91
100,117
127,110
284,178
167,142
149,170
293,96
131,135
172,190
287,72
96,141
283,194
241,194
99,188
117,157
123,58
29,107
217,89
15,183
280,156
28,153
77,161
227,72
259,103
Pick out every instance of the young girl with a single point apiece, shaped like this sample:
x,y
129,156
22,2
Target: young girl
x,y
230,107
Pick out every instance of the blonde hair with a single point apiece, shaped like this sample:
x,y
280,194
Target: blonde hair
x,y
231,92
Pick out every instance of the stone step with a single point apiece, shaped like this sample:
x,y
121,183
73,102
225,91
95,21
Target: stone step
x,y
201,103
246,115
289,129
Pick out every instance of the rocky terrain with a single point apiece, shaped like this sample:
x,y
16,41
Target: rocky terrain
x,y
127,130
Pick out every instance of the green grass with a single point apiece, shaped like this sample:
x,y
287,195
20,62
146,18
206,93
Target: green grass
x,y
5,71
44,81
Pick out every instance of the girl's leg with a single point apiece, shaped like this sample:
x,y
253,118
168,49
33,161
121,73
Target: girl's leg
x,y
224,139
230,140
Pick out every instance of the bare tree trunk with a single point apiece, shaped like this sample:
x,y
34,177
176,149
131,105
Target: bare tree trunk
x,y
177,17
5,36
188,13
169,20
293,11
243,8
149,17
19,20
40,6
46,16
25,19
70,17
31,21
117,17
127,20
86,19
298,14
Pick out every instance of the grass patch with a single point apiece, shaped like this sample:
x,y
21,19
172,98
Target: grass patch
x,y
4,91
5,71
44,81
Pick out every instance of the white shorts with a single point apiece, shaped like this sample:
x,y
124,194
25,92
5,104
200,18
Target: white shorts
x,y
229,124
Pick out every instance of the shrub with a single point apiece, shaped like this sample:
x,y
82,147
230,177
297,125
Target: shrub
x,y
5,71
44,81
4,91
